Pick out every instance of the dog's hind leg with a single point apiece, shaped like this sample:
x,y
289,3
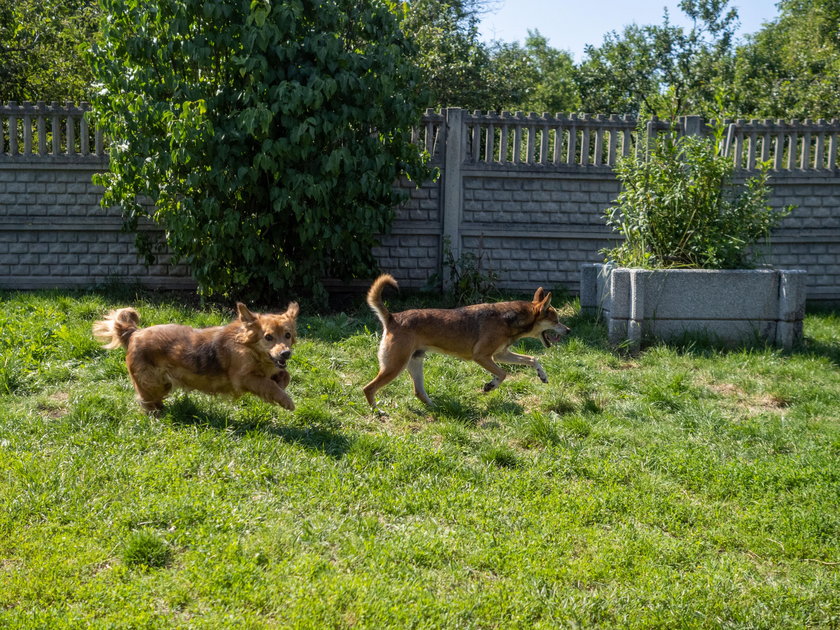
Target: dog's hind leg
x,y
415,369
506,356
392,361
151,390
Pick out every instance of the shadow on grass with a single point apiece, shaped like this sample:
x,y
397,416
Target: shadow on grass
x,y
468,411
185,412
811,348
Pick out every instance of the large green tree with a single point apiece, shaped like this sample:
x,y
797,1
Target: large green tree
x,y
791,67
662,69
264,137
42,44
457,66
539,78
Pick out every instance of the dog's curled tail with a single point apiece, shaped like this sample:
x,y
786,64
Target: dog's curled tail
x,y
374,297
117,327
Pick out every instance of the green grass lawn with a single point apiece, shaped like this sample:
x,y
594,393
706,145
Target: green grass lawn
x,y
685,487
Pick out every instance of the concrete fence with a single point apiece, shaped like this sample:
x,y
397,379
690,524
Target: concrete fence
x,y
53,232
526,193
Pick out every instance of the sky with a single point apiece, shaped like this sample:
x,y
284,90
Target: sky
x,y
572,24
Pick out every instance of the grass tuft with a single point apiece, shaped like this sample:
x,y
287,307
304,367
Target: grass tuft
x,y
501,456
145,549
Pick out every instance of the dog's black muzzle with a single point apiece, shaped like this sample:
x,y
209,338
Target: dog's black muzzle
x,y
280,359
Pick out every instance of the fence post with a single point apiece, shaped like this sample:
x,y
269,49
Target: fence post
x,y
693,126
452,186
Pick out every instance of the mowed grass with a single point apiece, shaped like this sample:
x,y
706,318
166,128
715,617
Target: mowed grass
x,y
682,488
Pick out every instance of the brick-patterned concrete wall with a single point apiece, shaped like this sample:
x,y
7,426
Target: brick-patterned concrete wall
x,y
809,238
534,228
53,233
559,224
412,250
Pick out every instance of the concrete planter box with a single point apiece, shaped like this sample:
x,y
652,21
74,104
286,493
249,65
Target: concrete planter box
x,y
731,306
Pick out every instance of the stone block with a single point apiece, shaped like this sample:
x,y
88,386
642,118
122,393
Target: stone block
x,y
723,332
16,187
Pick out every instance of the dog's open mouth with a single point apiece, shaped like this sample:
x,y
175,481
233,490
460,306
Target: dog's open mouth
x,y
550,337
280,363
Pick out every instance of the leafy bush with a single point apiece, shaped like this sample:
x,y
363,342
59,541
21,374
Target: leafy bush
x,y
679,207
264,137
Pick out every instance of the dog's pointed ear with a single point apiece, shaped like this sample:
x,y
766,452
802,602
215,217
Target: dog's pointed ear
x,y
544,304
292,310
539,295
245,316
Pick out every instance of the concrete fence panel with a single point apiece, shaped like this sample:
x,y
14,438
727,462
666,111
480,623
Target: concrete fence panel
x,y
525,192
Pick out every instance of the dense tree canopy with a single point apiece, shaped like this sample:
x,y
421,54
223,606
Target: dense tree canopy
x,y
663,69
539,78
266,135
42,49
791,68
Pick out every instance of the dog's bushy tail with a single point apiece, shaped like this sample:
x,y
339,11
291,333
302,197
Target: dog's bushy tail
x,y
374,297
117,327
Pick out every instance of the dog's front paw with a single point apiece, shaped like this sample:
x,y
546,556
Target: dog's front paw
x,y
282,378
541,373
493,384
287,404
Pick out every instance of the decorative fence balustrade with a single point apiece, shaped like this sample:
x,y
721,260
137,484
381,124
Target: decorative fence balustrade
x,y
543,140
48,131
789,146
510,140
489,139
430,134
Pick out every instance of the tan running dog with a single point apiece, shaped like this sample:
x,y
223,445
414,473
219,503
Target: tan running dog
x,y
247,355
482,333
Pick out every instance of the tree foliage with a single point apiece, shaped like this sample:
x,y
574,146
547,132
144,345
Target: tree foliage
x,y
662,69
459,69
539,78
264,137
454,62
791,67
41,44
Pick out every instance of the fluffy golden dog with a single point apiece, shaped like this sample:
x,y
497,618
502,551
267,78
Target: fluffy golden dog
x,y
247,355
482,333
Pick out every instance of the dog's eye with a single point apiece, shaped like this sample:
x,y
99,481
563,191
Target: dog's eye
x,y
269,337
288,335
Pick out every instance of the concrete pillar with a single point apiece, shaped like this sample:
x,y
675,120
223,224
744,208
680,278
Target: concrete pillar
x,y
694,126
637,308
453,186
791,307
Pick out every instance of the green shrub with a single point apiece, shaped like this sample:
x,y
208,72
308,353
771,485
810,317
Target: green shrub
x,y
264,137
679,207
